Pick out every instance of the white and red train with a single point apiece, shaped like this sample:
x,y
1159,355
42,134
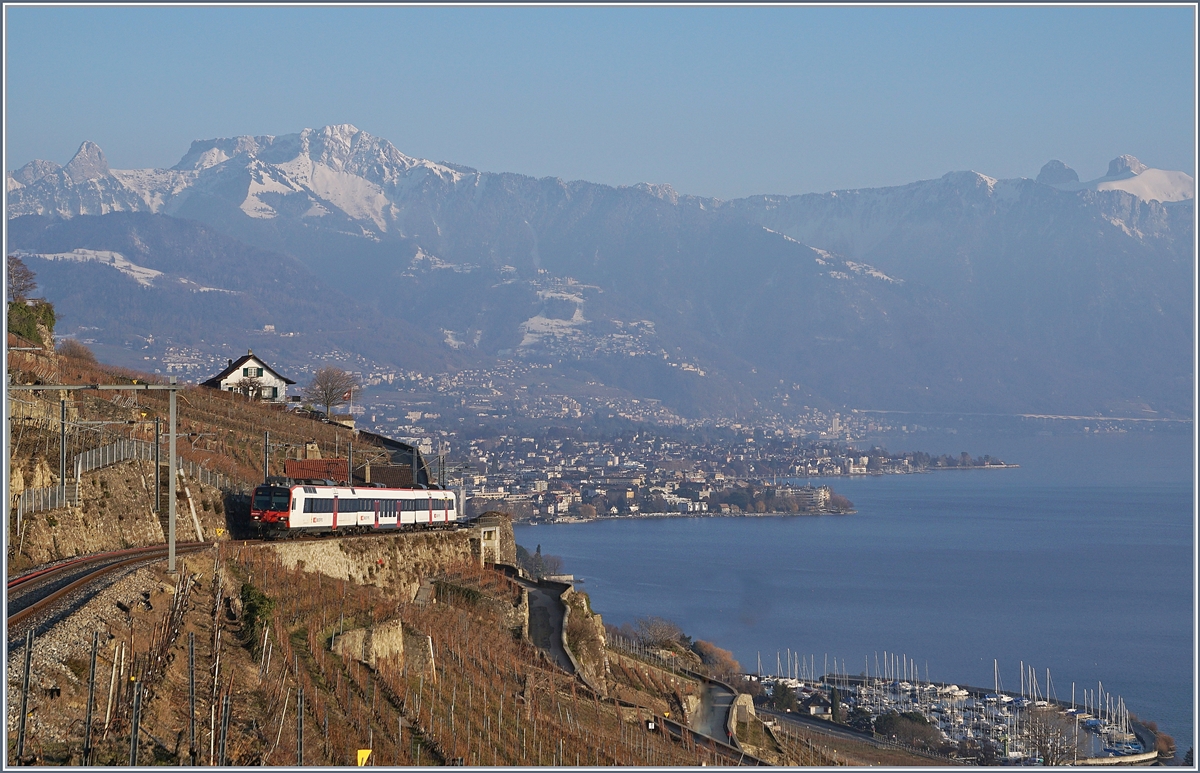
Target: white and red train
x,y
322,507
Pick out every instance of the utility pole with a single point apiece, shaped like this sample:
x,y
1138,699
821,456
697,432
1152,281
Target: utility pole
x,y
157,466
266,457
172,434
62,446
171,487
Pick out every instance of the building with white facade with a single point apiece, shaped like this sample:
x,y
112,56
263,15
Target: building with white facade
x,y
250,376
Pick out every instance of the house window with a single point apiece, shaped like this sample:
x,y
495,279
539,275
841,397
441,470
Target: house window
x,y
274,392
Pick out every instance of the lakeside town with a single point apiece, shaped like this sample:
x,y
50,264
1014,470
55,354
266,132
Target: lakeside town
x,y
548,477
547,457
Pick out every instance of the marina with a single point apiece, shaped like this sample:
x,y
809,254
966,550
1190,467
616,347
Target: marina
x,y
1030,726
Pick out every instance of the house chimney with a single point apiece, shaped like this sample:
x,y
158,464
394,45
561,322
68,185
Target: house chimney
x,y
229,363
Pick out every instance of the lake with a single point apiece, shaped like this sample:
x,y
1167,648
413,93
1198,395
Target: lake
x,y
1081,561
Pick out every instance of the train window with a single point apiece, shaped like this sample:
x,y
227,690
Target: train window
x,y
294,501
318,505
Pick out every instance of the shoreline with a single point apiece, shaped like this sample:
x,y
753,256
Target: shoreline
x,y
636,516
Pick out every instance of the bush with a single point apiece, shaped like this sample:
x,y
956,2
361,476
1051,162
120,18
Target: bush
x,y
910,728
24,319
722,665
256,613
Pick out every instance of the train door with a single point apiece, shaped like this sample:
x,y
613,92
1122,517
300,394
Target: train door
x,y
335,511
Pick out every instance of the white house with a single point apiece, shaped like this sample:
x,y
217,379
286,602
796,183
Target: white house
x,y
250,375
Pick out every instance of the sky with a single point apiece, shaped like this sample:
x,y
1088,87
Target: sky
x,y
715,101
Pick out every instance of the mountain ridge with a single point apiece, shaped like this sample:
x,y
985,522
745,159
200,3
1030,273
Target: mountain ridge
x,y
963,292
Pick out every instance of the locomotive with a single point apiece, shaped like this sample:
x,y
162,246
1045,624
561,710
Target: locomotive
x,y
284,507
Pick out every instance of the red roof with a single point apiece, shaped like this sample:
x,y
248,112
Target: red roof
x,y
320,469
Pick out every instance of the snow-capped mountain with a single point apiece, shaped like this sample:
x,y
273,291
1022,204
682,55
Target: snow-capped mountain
x,y
1125,173
336,171
964,292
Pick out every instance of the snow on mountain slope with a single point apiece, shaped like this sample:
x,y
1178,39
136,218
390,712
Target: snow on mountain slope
x,y
144,276
1154,185
155,187
1126,173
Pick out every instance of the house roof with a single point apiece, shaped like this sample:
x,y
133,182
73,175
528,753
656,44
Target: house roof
x,y
331,469
234,366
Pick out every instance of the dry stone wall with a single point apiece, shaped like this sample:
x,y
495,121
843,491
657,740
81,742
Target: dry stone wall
x,y
394,562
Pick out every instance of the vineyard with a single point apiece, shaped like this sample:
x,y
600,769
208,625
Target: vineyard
x,y
483,698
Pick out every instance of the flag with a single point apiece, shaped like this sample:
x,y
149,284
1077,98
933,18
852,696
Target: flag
x,y
346,396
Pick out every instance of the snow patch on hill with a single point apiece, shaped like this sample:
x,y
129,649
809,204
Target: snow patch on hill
x,y
534,329
863,269
144,276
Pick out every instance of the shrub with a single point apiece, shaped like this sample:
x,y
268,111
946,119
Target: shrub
x,y
23,319
256,613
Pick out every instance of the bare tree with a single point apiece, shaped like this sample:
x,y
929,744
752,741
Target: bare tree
x,y
1053,736
69,347
551,565
250,386
21,281
331,386
658,631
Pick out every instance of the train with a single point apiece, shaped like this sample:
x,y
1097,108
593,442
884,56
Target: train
x,y
284,507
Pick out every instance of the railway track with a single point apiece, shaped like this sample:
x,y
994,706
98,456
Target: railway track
x,y
38,592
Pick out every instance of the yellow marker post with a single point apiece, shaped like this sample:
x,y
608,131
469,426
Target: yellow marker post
x,y
363,756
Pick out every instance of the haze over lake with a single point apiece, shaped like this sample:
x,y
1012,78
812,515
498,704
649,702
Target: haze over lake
x,y
1080,562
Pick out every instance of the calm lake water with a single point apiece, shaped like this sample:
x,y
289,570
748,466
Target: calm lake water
x,y
1080,562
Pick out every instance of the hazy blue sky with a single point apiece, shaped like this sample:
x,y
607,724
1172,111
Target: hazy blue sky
x,y
715,101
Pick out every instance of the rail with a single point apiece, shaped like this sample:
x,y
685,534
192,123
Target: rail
x,y
120,558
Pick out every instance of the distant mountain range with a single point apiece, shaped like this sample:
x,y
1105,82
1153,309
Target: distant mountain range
x,y
964,293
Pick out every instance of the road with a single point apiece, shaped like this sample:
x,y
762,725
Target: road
x,y
715,705
546,613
